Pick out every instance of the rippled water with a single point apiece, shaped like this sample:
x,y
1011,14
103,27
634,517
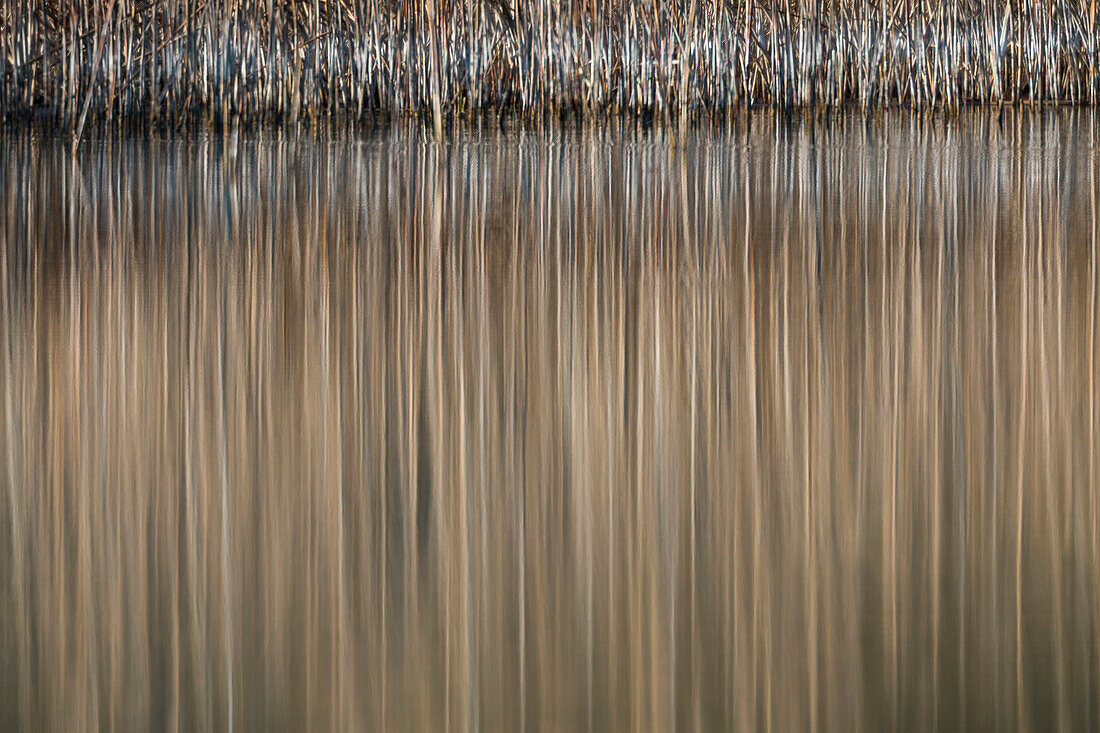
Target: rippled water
x,y
783,424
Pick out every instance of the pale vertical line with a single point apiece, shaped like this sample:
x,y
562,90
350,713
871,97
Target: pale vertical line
x,y
937,438
410,308
1072,513
994,440
756,489
866,369
693,649
467,293
434,291
813,366
947,319
956,328
609,499
1021,421
665,566
390,361
482,290
12,456
313,485
635,558
519,307
582,452
784,367
1091,481
198,620
1043,257
563,386
696,703
459,357
227,613
340,688
890,506
57,516
589,341
900,283
88,655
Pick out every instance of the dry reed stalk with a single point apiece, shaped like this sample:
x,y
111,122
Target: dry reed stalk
x,y
179,61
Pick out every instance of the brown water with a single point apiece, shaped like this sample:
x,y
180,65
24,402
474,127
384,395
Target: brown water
x,y
788,426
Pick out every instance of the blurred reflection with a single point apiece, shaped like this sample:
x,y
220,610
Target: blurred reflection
x,y
788,426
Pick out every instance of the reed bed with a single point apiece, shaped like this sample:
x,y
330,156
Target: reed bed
x,y
255,60
789,426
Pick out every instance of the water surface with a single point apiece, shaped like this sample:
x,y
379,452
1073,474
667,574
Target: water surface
x,y
783,424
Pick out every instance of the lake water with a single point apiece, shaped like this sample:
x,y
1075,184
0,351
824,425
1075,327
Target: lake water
x,y
785,423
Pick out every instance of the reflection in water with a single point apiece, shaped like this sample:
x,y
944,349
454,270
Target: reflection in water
x,y
788,426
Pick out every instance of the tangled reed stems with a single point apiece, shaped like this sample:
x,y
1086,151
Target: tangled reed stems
x,y
266,60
